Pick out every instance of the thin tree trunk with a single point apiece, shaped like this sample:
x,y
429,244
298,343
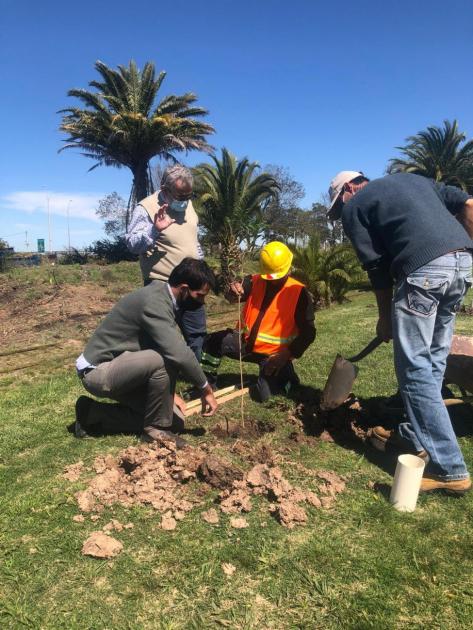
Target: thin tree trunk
x,y
230,262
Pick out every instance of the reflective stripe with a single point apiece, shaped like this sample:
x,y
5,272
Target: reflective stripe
x,y
209,369
209,358
271,339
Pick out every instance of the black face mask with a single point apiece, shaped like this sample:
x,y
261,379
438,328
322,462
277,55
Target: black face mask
x,y
188,303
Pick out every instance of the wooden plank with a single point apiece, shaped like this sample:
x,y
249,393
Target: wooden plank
x,y
449,402
220,392
223,399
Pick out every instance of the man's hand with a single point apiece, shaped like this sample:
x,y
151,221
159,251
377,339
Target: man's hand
x,y
384,329
276,361
162,220
180,403
235,289
209,402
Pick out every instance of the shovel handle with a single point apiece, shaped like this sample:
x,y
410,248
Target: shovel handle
x,y
373,344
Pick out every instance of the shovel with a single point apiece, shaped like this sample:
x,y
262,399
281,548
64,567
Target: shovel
x,y
342,376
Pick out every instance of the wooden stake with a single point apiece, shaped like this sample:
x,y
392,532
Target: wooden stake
x,y
450,402
221,400
242,413
220,392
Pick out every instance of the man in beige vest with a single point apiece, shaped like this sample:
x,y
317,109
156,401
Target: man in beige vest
x,y
164,230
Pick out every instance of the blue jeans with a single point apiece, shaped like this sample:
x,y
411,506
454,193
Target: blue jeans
x,y
423,315
193,325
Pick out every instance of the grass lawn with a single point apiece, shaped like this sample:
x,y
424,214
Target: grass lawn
x,y
358,565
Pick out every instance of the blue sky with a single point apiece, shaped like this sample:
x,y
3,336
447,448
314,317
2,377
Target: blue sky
x,y
315,86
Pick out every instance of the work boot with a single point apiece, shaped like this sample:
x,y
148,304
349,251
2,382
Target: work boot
x,y
458,487
383,439
83,420
154,434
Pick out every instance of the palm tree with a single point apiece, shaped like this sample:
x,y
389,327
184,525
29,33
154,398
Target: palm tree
x,y
327,273
123,125
230,197
437,153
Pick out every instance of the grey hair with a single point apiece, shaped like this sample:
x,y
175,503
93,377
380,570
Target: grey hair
x,y
173,173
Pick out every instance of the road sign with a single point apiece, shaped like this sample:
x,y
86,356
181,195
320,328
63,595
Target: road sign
x,y
41,245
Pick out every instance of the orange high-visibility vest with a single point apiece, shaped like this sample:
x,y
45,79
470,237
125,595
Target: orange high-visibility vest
x,y
278,326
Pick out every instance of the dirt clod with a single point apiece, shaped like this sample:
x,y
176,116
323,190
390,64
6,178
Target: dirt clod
x,y
238,522
78,518
99,545
234,501
291,514
74,471
333,483
168,522
211,516
113,525
228,569
219,473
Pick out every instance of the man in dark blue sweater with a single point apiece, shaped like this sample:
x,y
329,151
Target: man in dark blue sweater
x,y
413,237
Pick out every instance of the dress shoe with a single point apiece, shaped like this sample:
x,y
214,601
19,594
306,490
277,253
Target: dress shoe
x,y
154,434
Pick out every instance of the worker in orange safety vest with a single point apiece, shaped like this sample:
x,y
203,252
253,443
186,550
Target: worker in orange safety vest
x,y
277,325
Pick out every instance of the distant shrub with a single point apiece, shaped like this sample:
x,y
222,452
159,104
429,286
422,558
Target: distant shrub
x,y
111,251
74,257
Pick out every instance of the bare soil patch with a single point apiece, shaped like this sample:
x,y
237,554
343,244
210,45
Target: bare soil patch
x,y
252,428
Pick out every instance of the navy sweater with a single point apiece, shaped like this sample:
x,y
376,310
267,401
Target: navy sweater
x,y
400,222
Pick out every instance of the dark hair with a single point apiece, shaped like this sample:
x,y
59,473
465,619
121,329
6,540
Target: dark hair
x,y
195,273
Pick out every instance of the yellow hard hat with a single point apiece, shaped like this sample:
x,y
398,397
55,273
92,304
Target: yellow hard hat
x,y
275,260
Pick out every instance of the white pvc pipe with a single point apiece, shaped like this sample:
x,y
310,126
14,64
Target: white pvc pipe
x,y
406,484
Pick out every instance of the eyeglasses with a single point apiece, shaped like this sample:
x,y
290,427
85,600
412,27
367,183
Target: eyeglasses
x,y
178,197
183,197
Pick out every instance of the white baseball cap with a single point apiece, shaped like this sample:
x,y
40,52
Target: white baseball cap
x,y
338,182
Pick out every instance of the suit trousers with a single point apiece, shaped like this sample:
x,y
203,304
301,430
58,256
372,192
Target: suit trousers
x,y
141,384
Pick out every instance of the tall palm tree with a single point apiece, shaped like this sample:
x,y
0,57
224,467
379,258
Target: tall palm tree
x,y
437,153
122,125
230,197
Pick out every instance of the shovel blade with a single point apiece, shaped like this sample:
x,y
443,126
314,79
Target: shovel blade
x,y
339,383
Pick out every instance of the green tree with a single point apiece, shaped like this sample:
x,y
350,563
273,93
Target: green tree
x,y
123,125
327,273
112,209
230,195
281,209
438,153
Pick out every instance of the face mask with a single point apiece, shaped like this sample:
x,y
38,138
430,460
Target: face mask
x,y
178,206
188,303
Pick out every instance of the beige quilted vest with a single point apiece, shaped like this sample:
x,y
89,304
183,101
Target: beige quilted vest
x,y
173,244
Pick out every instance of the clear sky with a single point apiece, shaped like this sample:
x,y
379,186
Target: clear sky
x,y
314,86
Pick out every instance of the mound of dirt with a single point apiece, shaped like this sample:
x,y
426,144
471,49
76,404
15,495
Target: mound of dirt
x,y
157,475
143,475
